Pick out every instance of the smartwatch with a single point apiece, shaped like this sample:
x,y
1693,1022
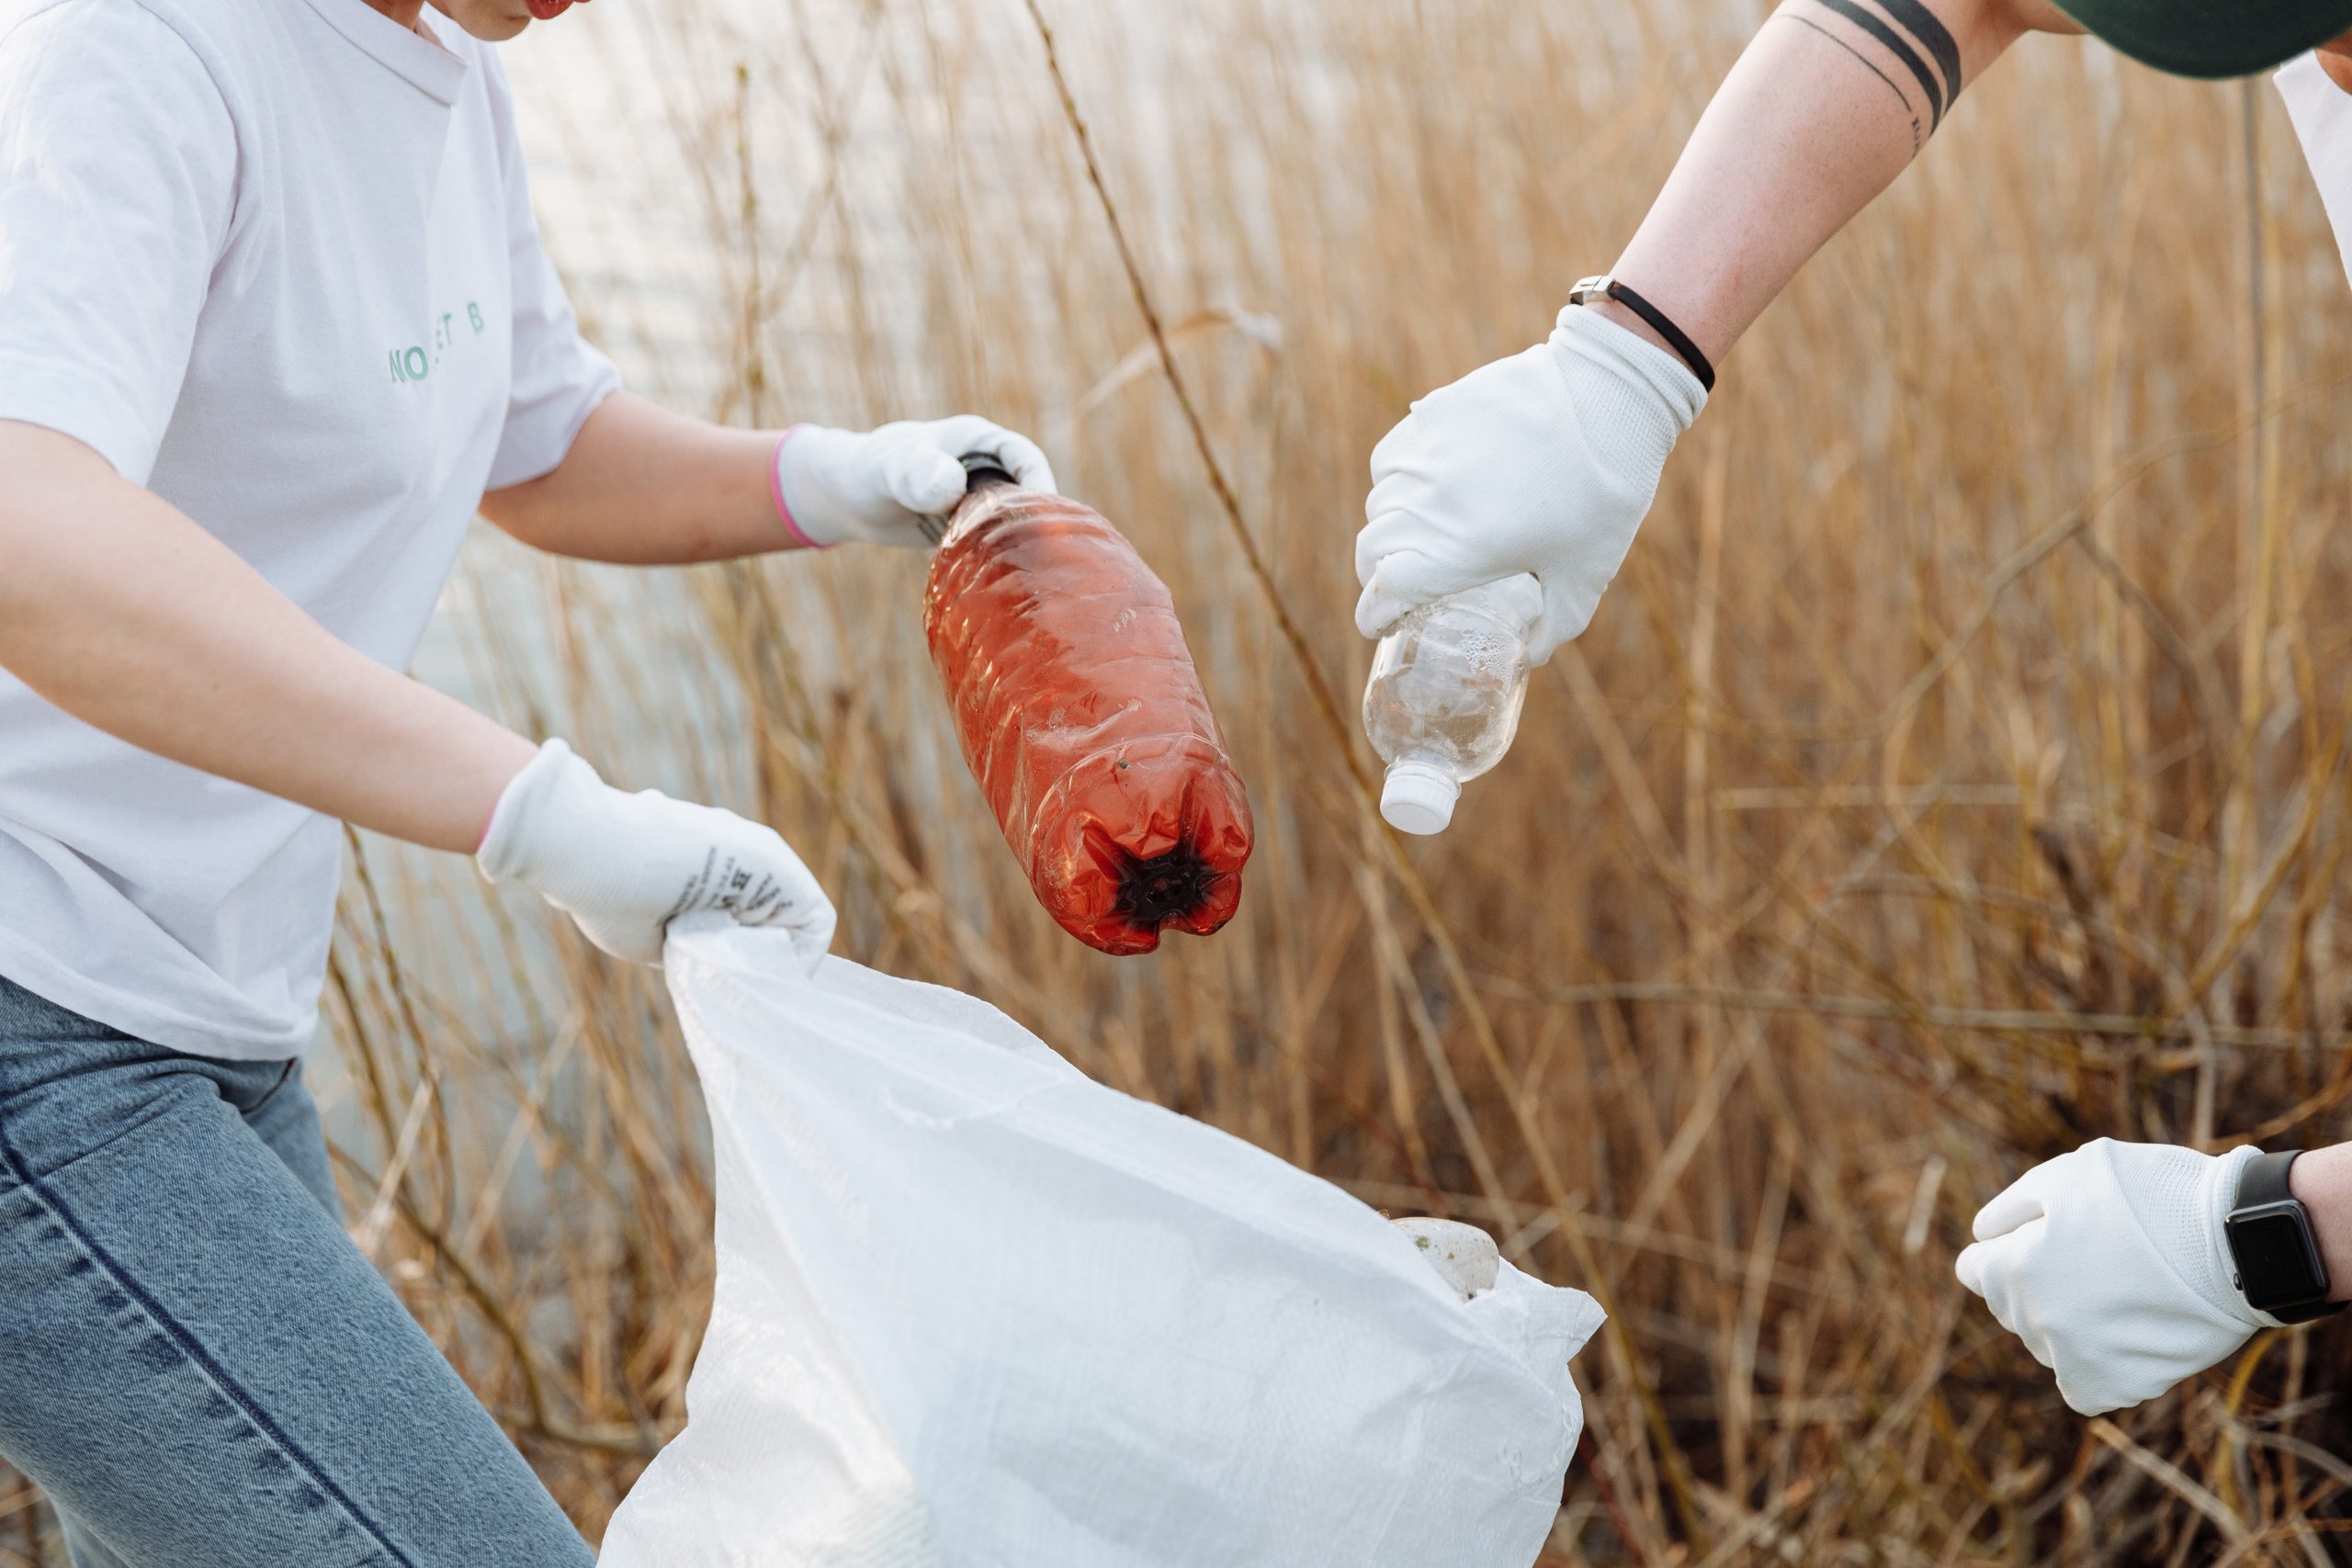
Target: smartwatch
x,y
2278,1260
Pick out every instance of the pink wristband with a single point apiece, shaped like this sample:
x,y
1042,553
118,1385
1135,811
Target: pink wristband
x,y
776,491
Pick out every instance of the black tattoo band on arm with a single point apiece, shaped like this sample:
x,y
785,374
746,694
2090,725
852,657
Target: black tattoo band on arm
x,y
1932,37
1905,55
1864,60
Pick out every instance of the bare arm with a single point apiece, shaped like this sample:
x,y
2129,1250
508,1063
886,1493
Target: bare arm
x,y
125,613
2323,1181
1832,101
646,487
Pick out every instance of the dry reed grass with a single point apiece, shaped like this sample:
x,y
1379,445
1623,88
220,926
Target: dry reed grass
x,y
1956,773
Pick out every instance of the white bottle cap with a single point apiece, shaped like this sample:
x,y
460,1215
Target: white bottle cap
x,y
1418,796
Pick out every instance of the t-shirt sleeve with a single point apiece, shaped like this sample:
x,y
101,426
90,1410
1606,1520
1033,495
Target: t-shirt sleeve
x,y
117,188
2322,113
558,379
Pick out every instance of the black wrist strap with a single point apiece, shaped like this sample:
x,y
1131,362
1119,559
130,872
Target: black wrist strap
x,y
1680,341
2263,1179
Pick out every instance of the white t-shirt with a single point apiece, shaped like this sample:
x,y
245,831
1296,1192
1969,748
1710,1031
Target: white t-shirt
x,y
2322,114
274,260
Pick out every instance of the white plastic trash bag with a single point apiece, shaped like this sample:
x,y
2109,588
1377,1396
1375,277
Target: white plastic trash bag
x,y
974,1308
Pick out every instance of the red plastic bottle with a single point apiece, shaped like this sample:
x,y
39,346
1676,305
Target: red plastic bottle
x,y
1082,717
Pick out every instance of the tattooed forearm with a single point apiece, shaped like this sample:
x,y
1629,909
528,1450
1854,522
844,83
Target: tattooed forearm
x,y
1904,34
1799,139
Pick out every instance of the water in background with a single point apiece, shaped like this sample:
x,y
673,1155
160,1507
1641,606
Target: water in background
x,y
608,105
643,127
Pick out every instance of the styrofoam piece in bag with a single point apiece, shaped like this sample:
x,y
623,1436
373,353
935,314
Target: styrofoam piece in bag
x,y
1464,1255
974,1309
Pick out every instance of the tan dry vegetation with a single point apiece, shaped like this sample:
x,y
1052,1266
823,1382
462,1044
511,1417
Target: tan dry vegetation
x,y
1956,773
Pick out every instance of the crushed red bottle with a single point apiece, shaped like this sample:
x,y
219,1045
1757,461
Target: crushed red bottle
x,y
1082,719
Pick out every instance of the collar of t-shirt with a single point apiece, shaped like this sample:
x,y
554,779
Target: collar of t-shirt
x,y
411,54
2322,113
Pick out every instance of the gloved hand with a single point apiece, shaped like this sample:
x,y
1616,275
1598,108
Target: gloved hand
x,y
623,865
2109,1263
1546,463
891,486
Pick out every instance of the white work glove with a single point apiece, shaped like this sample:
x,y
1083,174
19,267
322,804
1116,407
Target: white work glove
x,y
623,865
895,485
2109,1263
1546,463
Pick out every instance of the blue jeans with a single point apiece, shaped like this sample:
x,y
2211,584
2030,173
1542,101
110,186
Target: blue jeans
x,y
195,1363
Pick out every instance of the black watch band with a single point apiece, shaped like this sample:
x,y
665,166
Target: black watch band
x,y
2264,1180
2278,1260
1603,287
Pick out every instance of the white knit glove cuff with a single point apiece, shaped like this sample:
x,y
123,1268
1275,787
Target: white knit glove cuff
x,y
1662,397
509,852
2190,1208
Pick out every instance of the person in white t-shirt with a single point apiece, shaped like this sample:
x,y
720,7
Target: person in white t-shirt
x,y
2124,1267
275,322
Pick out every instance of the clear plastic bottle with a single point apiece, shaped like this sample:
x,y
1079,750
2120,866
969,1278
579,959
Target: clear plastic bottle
x,y
1442,703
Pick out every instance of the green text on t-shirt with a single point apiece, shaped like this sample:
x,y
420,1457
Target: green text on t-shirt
x,y
414,364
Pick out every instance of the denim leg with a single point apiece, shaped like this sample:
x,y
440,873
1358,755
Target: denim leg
x,y
195,1362
288,1120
